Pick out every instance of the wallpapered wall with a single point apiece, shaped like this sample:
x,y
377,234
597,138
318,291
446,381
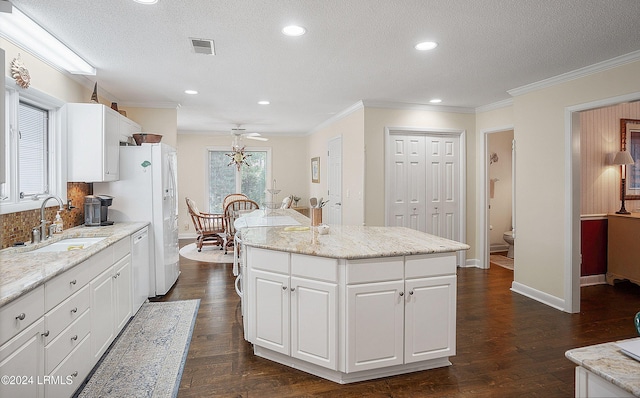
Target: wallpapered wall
x,y
16,227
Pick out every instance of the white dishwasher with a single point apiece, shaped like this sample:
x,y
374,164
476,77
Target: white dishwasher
x,y
140,268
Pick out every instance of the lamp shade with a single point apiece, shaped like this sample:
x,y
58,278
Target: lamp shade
x,y
623,157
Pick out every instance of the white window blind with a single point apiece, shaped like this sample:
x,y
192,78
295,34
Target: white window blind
x,y
32,150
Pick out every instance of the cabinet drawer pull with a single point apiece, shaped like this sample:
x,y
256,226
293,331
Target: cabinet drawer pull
x,y
45,334
74,374
21,316
401,294
74,310
284,288
74,338
293,289
73,282
411,292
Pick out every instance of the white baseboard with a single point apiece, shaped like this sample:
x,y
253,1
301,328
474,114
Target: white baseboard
x,y
498,248
537,295
471,263
187,236
591,280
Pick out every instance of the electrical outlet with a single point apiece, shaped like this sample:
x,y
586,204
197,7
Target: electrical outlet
x,y
186,226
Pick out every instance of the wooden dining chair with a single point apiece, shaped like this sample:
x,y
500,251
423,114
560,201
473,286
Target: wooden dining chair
x,y
231,213
208,226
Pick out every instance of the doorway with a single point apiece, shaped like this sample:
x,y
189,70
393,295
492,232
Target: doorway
x,y
425,182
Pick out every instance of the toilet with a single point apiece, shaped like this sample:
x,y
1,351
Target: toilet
x,y
510,239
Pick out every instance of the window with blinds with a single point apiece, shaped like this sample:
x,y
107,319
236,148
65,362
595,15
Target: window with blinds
x,y
33,156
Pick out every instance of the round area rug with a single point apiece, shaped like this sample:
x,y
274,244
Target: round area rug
x,y
209,254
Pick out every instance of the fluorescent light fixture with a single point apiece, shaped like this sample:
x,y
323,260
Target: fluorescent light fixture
x,y
436,101
146,2
294,30
24,32
263,102
426,45
190,92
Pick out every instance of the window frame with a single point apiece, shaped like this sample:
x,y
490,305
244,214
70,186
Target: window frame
x,y
57,164
227,149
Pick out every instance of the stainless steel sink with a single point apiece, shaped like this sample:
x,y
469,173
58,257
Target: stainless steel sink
x,y
69,244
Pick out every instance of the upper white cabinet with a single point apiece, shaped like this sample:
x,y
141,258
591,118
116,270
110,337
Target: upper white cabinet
x,y
94,132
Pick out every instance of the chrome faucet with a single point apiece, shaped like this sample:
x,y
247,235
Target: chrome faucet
x,y
43,222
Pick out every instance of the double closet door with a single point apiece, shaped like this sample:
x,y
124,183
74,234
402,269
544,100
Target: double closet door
x,y
423,183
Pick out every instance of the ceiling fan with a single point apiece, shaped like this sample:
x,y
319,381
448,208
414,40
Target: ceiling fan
x,y
239,133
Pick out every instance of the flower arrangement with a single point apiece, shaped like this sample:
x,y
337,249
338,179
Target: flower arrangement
x,y
238,157
296,199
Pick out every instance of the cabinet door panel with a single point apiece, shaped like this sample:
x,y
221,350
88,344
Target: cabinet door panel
x,y
23,355
102,299
270,319
375,325
314,322
430,299
122,286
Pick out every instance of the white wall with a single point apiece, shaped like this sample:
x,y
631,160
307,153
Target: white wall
x,y
288,156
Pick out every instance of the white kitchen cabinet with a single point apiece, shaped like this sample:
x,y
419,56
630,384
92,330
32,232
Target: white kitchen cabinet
x,y
122,288
294,312
375,325
94,132
102,313
22,360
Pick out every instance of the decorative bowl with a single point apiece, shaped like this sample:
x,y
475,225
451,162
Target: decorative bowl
x,y
150,138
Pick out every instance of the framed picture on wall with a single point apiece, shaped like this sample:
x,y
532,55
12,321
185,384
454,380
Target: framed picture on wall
x,y
315,170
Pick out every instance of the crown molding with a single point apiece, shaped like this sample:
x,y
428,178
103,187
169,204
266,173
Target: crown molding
x,y
353,108
577,74
416,107
496,105
164,105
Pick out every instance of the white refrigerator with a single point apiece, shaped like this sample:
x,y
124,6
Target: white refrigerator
x,y
147,191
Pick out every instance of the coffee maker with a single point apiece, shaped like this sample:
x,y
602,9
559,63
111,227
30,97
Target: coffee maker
x,y
96,209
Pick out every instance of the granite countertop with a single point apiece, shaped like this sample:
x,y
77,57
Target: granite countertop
x,y
22,270
607,361
346,241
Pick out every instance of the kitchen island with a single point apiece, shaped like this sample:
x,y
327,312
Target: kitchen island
x,y
355,304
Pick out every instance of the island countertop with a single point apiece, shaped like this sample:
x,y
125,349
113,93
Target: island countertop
x,y
345,241
22,270
607,361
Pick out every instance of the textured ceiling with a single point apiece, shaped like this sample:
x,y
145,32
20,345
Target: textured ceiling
x,y
353,50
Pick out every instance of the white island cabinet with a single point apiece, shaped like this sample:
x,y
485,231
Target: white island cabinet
x,y
347,311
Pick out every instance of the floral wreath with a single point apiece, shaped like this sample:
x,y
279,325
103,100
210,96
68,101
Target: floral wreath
x,y
238,157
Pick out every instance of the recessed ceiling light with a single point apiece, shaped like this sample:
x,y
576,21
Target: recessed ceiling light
x,y
264,102
146,1
191,92
426,45
436,101
294,30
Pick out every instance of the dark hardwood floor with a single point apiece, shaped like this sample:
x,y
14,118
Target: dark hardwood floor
x,y
507,345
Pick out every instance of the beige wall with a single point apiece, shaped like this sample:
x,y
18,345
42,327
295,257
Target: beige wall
x,y
288,154
163,121
351,129
376,119
599,141
541,158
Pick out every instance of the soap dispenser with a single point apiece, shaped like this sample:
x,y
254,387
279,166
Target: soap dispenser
x,y
58,223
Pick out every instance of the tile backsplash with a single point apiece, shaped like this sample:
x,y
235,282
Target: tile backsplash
x,y
16,227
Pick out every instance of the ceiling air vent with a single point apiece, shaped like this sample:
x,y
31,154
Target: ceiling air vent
x,y
203,46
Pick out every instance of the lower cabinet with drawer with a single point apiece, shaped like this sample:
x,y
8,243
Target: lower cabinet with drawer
x,y
46,335
351,320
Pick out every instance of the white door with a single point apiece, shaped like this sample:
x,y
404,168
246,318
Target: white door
x,y
334,182
443,204
406,190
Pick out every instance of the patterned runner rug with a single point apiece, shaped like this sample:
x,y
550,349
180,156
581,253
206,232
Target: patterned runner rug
x,y
148,357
